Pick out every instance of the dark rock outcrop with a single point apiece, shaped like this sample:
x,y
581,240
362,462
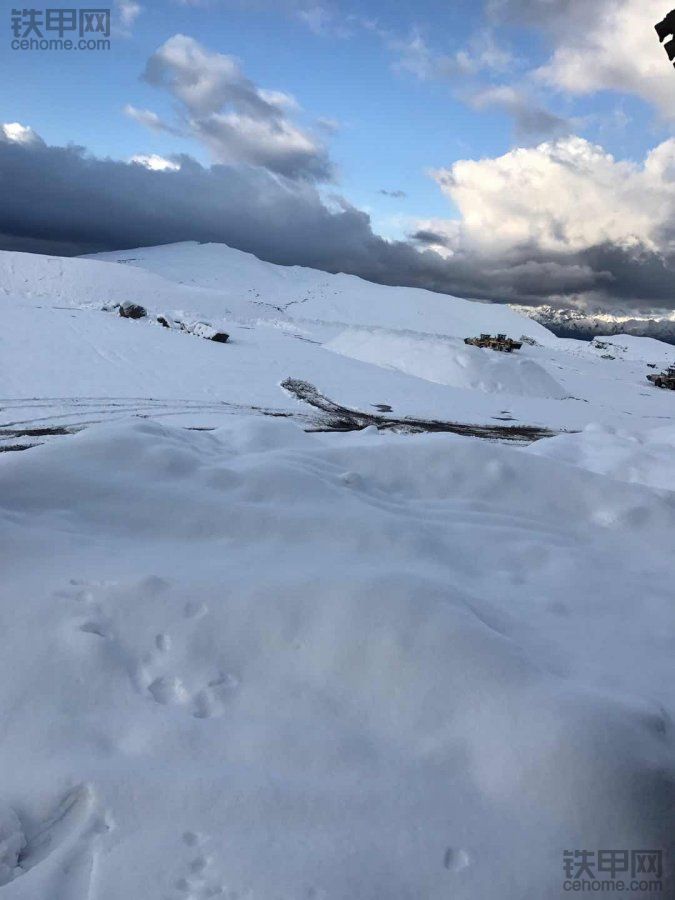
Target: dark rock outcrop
x,y
129,310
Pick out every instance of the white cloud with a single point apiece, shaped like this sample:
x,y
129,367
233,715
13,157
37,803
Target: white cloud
x,y
238,121
155,163
564,196
600,45
322,20
149,119
16,133
128,11
482,54
317,19
279,99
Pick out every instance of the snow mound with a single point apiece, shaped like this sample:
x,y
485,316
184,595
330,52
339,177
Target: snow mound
x,y
449,362
644,457
304,666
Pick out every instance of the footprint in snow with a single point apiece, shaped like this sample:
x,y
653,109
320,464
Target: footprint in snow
x,y
199,878
455,860
153,672
203,701
58,851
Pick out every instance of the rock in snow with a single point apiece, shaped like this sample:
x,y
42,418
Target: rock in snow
x,y
204,330
129,310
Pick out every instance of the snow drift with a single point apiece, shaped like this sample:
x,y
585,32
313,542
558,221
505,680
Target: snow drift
x,y
643,457
293,666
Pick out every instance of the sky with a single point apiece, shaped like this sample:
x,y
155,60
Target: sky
x,y
510,150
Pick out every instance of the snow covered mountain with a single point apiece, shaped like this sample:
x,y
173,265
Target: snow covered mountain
x,y
342,608
575,324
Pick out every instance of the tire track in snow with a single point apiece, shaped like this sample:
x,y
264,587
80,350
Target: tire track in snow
x,y
60,416
344,418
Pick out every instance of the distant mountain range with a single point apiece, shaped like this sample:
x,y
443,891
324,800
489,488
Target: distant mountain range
x,y
571,323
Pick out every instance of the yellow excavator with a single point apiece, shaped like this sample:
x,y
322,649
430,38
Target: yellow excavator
x,y
501,342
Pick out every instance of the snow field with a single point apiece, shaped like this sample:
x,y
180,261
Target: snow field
x,y
262,664
358,666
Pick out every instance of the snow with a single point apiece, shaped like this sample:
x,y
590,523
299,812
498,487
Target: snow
x,y
448,361
284,322
260,662
310,295
639,457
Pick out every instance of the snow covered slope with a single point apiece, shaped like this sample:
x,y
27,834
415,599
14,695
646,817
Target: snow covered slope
x,y
307,294
258,663
640,457
360,343
67,282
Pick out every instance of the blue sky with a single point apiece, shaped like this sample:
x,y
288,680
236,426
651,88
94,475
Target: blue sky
x,y
388,96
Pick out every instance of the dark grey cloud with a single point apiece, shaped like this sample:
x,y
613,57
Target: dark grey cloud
x,y
63,201
558,14
429,238
395,195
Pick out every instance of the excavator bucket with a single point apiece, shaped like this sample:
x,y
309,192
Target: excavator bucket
x,y
666,27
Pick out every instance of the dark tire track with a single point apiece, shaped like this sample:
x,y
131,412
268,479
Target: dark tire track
x,y
68,415
58,416
342,418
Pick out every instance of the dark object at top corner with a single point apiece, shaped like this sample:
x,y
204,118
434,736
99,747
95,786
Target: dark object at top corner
x,y
666,26
664,29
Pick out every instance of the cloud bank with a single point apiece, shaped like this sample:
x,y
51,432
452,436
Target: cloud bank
x,y
546,224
